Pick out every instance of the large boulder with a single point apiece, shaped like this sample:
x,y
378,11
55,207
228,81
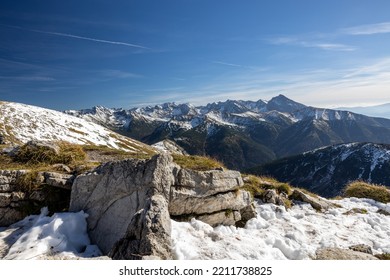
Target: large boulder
x,y
317,203
126,202
213,197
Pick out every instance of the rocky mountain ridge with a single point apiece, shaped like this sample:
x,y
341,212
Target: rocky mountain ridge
x,y
326,171
242,134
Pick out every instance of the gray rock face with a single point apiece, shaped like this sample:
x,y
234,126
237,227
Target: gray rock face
x,y
209,196
9,197
58,180
13,200
118,196
206,183
183,204
317,203
148,234
270,196
130,203
342,254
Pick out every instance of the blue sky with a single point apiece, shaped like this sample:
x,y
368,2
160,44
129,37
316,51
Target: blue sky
x,y
77,54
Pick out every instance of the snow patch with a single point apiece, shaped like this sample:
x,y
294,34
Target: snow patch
x,y
63,234
279,234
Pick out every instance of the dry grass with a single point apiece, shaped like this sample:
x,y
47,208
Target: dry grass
x,y
361,189
257,185
198,163
35,155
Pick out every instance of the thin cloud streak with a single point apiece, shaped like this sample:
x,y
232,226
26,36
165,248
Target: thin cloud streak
x,y
368,29
228,64
332,87
80,37
291,41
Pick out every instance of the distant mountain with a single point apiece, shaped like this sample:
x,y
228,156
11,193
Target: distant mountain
x,y
382,111
20,123
242,134
326,171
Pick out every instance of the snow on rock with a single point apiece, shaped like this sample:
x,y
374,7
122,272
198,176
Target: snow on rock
x,y
37,236
22,123
279,234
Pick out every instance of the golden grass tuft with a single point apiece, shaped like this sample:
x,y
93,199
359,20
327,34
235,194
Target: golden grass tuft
x,y
361,189
197,163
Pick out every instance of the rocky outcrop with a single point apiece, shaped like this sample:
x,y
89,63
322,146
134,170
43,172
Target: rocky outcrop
x,y
127,204
342,254
213,197
16,201
316,202
142,196
361,248
10,197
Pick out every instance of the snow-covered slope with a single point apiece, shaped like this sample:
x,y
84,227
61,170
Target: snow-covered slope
x,y
21,123
275,234
279,234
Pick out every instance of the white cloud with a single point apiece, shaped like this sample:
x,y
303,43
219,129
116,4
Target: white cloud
x,y
120,74
292,41
363,84
368,29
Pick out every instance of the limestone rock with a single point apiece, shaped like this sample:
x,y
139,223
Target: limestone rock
x,y
9,179
361,248
119,196
226,218
181,203
61,167
316,202
270,196
58,180
148,234
342,254
206,183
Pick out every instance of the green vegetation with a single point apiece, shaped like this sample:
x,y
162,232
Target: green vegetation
x,y
361,189
198,163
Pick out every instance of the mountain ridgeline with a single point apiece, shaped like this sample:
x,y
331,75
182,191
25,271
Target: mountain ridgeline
x,y
328,170
242,134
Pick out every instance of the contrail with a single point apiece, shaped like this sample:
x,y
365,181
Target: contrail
x,y
79,37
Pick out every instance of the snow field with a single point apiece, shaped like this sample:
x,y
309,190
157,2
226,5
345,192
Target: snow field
x,y
279,234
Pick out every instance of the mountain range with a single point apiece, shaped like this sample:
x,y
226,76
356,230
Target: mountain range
x,y
326,171
242,134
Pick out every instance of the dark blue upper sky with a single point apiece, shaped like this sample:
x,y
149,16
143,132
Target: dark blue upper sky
x,y
123,53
